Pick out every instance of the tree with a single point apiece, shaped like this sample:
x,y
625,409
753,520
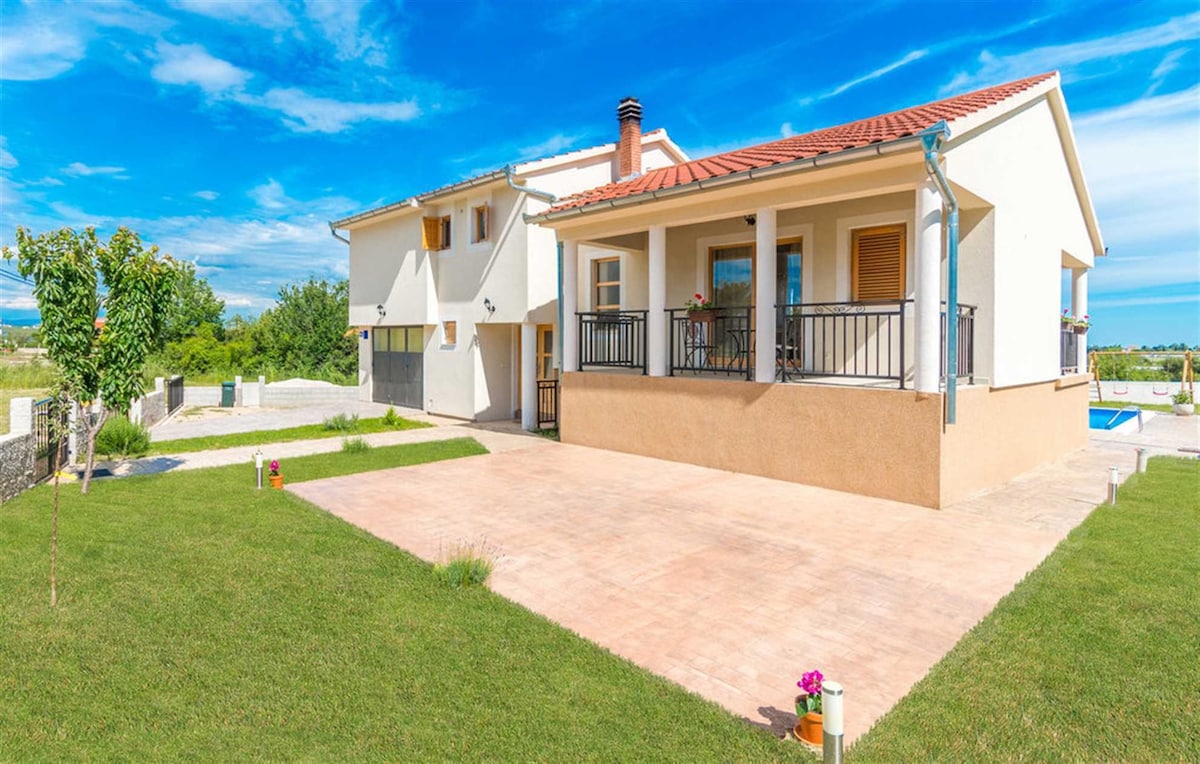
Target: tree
x,y
195,306
306,330
97,358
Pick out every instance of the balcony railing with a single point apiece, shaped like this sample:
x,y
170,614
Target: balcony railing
x,y
613,339
718,341
1068,350
966,342
842,339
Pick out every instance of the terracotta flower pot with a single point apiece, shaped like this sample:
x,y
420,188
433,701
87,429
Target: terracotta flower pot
x,y
276,481
1080,329
809,728
702,316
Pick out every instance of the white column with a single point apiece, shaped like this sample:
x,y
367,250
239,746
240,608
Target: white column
x,y
20,416
656,319
570,302
928,289
764,296
529,372
1079,307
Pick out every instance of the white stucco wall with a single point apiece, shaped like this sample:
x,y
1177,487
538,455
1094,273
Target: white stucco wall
x,y
389,268
1019,168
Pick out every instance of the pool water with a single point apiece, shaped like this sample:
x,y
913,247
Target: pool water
x,y
1102,419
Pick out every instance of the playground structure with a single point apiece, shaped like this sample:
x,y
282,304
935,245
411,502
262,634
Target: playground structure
x,y
1141,376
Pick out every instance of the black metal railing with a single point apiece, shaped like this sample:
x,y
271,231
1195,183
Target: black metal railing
x,y
1068,350
174,393
613,339
841,339
720,340
966,342
49,437
547,406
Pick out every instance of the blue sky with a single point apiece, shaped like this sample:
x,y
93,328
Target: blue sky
x,y
229,133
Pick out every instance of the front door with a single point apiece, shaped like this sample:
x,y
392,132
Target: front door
x,y
397,366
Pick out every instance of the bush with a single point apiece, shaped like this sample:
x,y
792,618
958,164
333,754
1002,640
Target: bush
x,y
391,418
468,565
355,446
341,423
122,438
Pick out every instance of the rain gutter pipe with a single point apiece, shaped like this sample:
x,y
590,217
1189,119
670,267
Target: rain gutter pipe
x,y
932,140
333,231
549,198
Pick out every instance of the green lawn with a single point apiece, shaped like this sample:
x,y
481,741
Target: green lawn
x,y
200,619
1122,404
1095,656
257,437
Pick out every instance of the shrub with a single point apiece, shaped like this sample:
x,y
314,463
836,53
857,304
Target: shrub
x,y
391,418
355,446
468,565
341,423
122,438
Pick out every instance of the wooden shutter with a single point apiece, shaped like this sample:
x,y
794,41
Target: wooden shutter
x,y
877,263
431,233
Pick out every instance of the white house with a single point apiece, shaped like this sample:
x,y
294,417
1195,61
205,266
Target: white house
x,y
831,258
455,296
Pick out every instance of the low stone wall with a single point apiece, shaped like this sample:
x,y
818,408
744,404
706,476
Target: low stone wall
x,y
201,396
154,408
16,464
280,395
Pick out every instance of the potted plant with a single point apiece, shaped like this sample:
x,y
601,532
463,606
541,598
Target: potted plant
x,y
700,308
1081,324
1068,321
808,708
275,476
1181,403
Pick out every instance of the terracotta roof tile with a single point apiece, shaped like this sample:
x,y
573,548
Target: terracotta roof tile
x,y
864,132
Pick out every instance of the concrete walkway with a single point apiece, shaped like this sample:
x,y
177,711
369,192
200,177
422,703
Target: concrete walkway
x,y
733,585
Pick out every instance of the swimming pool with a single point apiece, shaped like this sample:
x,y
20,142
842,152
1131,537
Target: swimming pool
x,y
1108,419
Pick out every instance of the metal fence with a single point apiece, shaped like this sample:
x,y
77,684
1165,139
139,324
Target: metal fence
x,y
842,339
1068,350
547,408
613,339
966,342
720,340
50,437
174,393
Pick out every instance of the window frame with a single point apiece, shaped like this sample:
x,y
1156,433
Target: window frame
x,y
597,284
480,223
445,232
902,266
449,334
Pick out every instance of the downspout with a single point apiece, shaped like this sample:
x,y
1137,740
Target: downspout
x,y
545,196
932,140
549,198
333,231
558,333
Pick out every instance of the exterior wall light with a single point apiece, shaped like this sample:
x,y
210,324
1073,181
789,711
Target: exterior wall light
x,y
487,304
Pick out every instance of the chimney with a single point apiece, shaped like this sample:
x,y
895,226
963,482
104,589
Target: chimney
x,y
629,147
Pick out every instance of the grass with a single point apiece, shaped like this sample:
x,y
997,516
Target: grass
x,y
200,619
6,396
1095,656
1122,404
262,437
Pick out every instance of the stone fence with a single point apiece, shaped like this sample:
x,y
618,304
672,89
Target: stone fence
x,y
292,393
17,450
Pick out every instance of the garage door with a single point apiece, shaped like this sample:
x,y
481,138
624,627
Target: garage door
x,y
397,366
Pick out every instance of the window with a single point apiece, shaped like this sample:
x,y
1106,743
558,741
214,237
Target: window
x,y
607,278
479,223
788,270
545,352
450,333
877,263
435,233
732,283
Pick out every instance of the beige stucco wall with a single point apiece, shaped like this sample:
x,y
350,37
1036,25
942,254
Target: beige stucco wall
x,y
873,442
1001,433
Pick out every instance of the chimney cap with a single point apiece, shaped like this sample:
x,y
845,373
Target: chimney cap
x,y
628,109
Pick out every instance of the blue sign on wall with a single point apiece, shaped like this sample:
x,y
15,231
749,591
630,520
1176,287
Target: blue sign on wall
x,y
366,334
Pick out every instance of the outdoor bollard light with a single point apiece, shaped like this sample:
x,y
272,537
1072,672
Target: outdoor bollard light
x,y
1114,476
833,728
1142,457
258,470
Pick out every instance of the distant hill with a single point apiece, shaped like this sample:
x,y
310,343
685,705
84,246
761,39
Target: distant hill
x,y
35,321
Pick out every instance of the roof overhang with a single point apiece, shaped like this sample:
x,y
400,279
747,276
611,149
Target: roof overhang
x,y
415,202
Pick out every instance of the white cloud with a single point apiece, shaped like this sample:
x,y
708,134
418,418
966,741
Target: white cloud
x,y
786,130
39,51
270,196
268,14
1125,302
79,169
341,24
905,60
555,144
7,160
994,68
306,113
15,296
193,65
207,196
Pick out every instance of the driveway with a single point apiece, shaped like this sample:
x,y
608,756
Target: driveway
x,y
731,585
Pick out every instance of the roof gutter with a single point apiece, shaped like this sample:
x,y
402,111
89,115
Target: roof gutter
x,y
785,168
333,231
416,201
545,196
932,140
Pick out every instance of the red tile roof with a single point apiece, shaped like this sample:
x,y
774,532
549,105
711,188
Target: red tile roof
x,y
864,132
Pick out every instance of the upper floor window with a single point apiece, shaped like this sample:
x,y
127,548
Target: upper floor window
x,y
479,223
877,263
607,278
450,333
435,233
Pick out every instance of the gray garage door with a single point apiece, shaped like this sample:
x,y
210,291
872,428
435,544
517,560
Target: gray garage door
x,y
397,366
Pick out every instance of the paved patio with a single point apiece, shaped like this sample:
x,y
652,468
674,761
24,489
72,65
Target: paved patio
x,y
731,585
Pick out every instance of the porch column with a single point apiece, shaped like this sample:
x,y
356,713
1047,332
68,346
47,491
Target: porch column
x,y
529,372
764,296
570,300
928,289
1079,308
656,318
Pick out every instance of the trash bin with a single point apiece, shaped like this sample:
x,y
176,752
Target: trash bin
x,y
228,394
